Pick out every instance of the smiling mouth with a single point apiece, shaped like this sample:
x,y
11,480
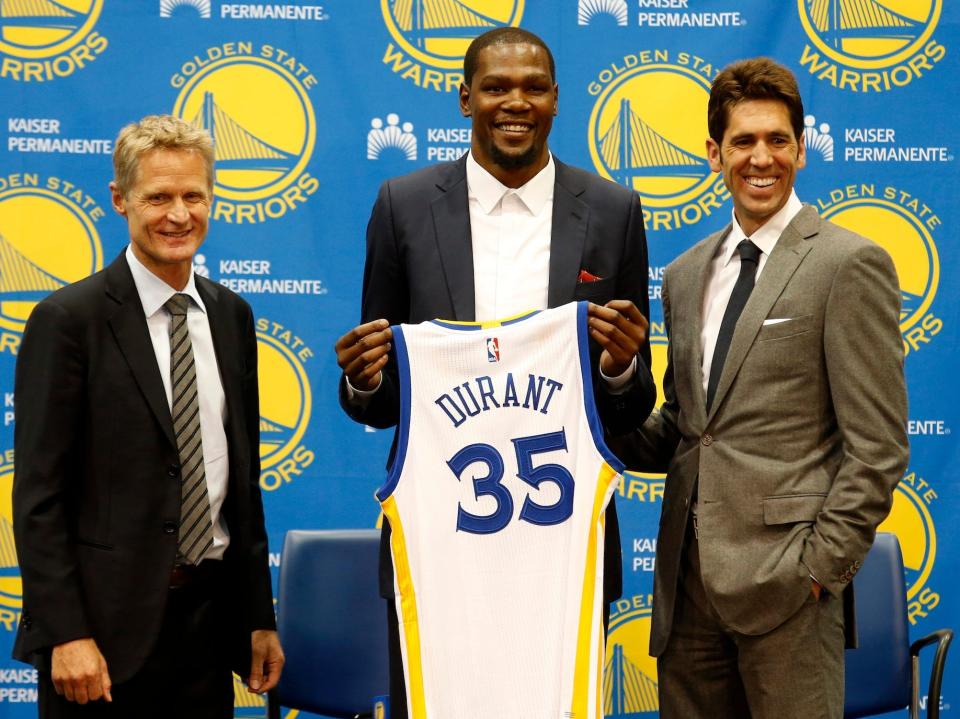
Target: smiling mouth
x,y
760,182
177,235
513,128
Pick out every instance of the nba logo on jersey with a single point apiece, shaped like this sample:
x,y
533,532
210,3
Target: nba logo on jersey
x,y
493,349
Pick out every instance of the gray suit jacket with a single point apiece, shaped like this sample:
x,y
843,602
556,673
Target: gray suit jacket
x,y
806,439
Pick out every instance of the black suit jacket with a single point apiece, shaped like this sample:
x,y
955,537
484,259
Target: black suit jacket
x,y
96,496
419,267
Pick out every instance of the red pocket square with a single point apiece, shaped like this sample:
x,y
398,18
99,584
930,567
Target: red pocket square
x,y
585,276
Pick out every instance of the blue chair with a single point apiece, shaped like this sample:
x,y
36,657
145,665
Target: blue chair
x,y
332,623
883,674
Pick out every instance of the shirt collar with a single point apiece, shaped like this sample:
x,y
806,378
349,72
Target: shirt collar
x,y
153,291
488,191
767,234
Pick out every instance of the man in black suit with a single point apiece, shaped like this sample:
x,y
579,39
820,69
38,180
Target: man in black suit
x,y
505,229
137,511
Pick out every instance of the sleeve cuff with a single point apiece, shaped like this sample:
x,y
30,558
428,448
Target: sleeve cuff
x,y
615,385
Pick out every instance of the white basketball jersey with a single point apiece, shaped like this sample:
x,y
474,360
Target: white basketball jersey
x,y
496,498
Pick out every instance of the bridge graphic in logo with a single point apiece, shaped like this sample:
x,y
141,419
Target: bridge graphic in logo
x,y
437,32
273,436
236,148
21,279
628,693
869,33
631,149
39,13
424,20
840,20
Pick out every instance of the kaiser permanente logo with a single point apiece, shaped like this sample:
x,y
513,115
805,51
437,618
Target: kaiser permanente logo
x,y
255,101
41,40
647,131
870,45
429,37
285,404
903,224
48,239
654,13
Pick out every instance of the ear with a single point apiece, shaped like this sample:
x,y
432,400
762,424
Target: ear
x,y
713,155
465,100
556,99
802,152
116,199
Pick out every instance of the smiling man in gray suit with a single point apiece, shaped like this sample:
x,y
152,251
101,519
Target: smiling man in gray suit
x,y
783,431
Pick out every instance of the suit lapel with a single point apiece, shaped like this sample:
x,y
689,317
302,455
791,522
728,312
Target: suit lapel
x,y
225,346
451,222
129,327
568,235
695,274
782,263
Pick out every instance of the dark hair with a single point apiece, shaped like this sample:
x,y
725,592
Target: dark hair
x,y
758,78
502,36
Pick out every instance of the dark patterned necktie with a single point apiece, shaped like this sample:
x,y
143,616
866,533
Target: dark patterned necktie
x,y
749,259
196,530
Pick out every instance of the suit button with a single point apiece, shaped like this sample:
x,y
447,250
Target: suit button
x,y
173,470
169,527
706,440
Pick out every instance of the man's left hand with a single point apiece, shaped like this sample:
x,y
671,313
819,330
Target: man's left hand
x,y
620,329
266,661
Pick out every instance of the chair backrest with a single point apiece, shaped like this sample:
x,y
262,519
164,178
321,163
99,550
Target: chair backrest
x,y
878,673
332,622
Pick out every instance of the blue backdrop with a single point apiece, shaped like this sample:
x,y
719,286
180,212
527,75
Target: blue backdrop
x,y
313,105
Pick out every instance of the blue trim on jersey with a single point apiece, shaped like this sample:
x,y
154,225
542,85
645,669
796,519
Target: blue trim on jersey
x,y
492,324
403,427
589,401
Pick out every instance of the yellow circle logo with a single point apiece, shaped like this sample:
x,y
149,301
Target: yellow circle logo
x,y
44,28
285,400
869,34
261,119
911,521
11,586
658,149
437,32
47,241
909,243
629,673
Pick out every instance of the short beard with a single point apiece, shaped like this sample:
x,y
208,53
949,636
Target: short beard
x,y
514,161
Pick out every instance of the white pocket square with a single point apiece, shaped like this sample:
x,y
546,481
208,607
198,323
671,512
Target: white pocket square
x,y
776,321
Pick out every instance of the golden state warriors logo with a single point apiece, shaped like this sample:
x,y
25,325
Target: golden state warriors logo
x,y
42,40
630,673
431,36
48,239
903,225
11,587
285,404
870,45
912,522
648,131
256,104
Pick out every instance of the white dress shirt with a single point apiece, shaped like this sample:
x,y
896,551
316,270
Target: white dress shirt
x,y
154,293
510,232
724,270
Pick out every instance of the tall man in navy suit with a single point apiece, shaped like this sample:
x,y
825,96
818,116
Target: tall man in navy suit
x,y
136,501
506,228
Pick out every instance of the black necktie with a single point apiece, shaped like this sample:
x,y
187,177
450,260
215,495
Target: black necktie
x,y
749,258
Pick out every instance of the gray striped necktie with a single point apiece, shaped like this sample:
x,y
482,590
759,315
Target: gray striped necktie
x,y
196,530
